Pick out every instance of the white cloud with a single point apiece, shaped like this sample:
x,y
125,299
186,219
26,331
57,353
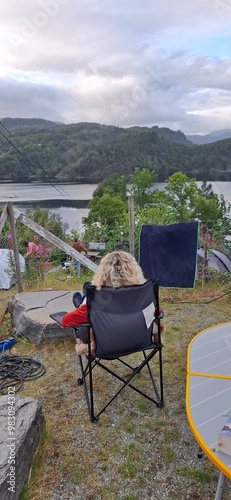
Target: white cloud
x,y
123,63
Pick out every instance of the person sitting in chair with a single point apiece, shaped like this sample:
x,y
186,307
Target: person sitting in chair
x,y
116,269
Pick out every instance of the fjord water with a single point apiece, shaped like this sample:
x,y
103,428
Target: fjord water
x,y
68,200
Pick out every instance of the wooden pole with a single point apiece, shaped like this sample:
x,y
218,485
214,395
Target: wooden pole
x,y
3,218
131,224
54,240
204,233
15,246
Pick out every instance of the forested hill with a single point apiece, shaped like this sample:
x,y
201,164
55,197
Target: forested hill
x,y
36,149
27,123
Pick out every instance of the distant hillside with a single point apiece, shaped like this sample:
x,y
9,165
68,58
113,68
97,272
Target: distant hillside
x,y
32,123
88,152
219,135
163,132
12,123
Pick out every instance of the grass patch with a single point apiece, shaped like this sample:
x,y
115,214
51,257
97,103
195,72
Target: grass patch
x,y
135,449
203,476
143,404
168,454
129,497
78,475
171,434
44,441
129,465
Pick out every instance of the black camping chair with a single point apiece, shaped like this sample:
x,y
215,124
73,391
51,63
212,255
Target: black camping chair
x,y
122,323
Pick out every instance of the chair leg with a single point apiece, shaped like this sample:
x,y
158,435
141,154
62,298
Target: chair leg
x,y
161,377
159,394
152,380
82,381
88,386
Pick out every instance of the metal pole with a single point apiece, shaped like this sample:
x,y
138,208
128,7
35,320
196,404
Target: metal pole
x,y
220,486
15,246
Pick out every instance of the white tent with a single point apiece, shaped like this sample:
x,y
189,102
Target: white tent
x,y
7,274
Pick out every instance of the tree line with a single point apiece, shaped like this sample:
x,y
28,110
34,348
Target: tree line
x,y
181,200
89,152
107,221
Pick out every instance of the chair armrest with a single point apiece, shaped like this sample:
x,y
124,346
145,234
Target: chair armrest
x,y
82,332
160,315
82,325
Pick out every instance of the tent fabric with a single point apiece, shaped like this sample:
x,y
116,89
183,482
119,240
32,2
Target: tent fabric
x,y
223,258
211,261
7,278
215,259
169,253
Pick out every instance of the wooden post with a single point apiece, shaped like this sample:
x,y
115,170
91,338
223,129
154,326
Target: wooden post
x,y
204,238
54,240
15,246
131,224
3,218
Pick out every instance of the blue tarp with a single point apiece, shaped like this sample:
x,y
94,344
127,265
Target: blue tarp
x,y
169,253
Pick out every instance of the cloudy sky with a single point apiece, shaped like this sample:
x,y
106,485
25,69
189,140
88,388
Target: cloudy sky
x,y
117,62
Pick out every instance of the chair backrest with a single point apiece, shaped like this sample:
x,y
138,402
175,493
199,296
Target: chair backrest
x,y
122,318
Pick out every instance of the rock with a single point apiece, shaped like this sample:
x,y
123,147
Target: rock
x,y
21,424
31,314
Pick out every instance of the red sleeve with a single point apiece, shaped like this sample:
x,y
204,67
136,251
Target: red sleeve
x,y
75,317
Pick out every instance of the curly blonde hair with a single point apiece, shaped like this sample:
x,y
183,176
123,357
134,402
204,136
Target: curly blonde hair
x,y
116,269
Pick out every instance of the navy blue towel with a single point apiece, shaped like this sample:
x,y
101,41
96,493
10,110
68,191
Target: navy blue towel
x,y
169,253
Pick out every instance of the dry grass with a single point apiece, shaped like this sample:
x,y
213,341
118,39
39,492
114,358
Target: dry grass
x,y
135,451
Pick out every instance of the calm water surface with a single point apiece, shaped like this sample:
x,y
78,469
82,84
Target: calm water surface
x,y
68,200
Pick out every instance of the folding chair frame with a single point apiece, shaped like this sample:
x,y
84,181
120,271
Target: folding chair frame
x,y
91,362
